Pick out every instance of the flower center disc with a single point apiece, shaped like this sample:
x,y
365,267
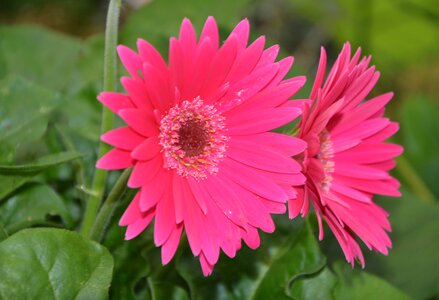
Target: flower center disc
x,y
192,139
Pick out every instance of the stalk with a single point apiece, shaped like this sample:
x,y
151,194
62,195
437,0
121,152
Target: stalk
x,y
110,64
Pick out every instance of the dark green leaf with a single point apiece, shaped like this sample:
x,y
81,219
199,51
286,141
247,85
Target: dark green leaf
x,y
53,264
360,285
24,110
412,263
9,183
40,164
315,286
41,55
301,257
3,234
32,206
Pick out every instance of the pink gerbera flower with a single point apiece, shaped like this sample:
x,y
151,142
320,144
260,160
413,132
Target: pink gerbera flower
x,y
198,141
346,161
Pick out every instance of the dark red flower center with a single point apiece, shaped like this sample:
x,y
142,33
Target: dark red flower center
x,y
193,137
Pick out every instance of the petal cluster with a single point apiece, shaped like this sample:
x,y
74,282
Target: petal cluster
x,y
347,159
198,139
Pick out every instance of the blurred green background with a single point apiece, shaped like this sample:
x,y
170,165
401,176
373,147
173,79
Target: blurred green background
x,y
56,49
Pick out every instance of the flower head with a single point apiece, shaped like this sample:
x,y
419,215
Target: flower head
x,y
347,160
197,139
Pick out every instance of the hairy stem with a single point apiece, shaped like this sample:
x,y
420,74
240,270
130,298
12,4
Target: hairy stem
x,y
110,64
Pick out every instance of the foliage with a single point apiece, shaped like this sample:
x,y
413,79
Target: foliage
x,y
49,129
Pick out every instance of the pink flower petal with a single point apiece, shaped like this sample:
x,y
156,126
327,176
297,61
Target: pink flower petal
x,y
115,101
144,172
115,159
132,213
205,266
220,66
141,121
137,227
247,60
261,157
171,244
147,150
251,238
210,30
281,143
252,180
165,219
149,54
153,191
137,93
261,121
130,60
124,138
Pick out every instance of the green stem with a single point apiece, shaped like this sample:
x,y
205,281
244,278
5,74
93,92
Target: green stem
x,y
411,177
110,64
107,209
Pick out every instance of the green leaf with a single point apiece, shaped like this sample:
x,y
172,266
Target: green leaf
x,y
24,110
301,257
361,285
3,233
41,55
32,206
53,264
412,263
40,164
10,183
315,286
13,177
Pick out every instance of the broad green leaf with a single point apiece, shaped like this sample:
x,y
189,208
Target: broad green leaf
x,y
82,116
13,177
10,183
412,263
3,233
91,61
301,257
315,286
24,110
40,164
41,55
360,285
53,264
32,206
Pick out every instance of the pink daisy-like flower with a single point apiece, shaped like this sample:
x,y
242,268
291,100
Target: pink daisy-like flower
x,y
198,141
347,161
